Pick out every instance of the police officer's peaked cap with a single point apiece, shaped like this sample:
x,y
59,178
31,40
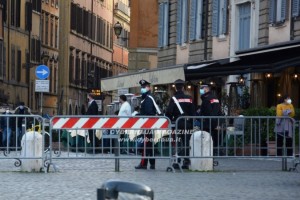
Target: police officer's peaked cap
x,y
144,82
179,82
204,85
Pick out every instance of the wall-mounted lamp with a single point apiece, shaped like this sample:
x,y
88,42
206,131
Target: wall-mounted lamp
x,y
45,57
118,30
268,75
278,95
295,76
173,85
241,80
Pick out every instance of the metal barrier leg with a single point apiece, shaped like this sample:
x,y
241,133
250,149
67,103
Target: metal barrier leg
x,y
117,154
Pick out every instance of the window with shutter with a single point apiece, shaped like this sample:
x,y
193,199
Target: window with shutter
x,y
182,21
196,19
219,17
18,12
295,8
73,16
163,34
12,12
277,11
244,26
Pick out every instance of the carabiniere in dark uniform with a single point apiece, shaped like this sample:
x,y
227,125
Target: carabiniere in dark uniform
x,y
184,125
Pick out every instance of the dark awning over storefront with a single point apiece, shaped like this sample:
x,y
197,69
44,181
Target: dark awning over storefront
x,y
272,58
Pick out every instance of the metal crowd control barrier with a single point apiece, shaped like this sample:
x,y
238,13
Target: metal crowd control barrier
x,y
124,132
296,160
14,145
238,137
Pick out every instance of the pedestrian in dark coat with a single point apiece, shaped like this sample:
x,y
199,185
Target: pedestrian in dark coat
x,y
92,110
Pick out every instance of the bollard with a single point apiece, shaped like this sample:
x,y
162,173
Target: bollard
x,y
201,145
32,149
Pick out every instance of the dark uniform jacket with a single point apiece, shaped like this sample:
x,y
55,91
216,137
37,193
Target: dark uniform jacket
x,y
210,107
92,109
147,105
186,103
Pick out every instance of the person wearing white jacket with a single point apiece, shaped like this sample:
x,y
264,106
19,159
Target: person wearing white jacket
x,y
125,110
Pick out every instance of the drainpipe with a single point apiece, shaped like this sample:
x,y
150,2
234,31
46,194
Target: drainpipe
x,y
8,38
28,62
206,29
292,26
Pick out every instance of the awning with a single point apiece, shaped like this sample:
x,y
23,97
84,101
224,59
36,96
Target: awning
x,y
271,58
164,75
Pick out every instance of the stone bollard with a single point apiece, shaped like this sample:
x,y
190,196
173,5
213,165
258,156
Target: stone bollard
x,y
32,147
201,145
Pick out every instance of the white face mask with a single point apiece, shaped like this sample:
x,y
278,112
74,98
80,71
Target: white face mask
x,y
144,90
202,91
289,101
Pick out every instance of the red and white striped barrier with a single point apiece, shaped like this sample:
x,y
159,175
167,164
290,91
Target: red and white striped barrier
x,y
109,123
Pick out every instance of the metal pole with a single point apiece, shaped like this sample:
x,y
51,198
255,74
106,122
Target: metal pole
x,y
41,103
117,154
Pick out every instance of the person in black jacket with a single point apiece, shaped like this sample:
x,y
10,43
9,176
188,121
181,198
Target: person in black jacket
x,y
147,109
210,107
185,125
20,110
92,110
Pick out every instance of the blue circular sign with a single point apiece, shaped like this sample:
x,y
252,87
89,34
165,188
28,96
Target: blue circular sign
x,y
42,72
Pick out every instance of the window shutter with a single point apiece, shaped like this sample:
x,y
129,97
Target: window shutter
x,y
73,16
295,8
4,61
18,12
283,11
161,25
215,17
272,11
1,59
193,13
179,16
224,18
28,22
166,24
199,19
38,50
39,6
19,65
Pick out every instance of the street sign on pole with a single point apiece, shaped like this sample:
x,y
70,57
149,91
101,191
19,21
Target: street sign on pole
x,y
42,72
41,85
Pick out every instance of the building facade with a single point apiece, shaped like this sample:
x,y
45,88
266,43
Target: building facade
x,y
226,41
49,52
85,52
18,55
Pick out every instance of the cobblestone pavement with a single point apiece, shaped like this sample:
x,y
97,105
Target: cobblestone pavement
x,y
79,179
